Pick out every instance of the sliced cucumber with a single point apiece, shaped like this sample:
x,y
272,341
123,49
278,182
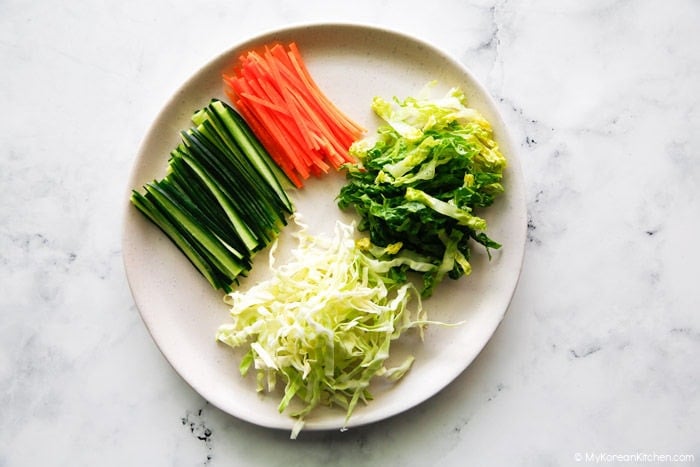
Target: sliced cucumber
x,y
222,198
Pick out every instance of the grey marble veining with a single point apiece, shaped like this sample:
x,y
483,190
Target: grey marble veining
x,y
599,351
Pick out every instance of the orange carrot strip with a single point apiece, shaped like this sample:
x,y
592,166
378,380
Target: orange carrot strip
x,y
278,134
305,99
304,132
326,127
266,139
299,64
289,98
267,89
265,102
339,131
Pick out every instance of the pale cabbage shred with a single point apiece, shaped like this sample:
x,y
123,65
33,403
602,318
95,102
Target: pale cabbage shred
x,y
323,322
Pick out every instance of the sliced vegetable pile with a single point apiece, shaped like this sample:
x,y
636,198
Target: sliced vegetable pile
x,y
221,200
304,131
323,323
420,180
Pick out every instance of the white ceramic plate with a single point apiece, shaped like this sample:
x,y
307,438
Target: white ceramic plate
x,y
351,64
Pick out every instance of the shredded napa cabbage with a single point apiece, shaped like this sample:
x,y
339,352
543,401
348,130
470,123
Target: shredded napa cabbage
x,y
323,324
417,115
420,180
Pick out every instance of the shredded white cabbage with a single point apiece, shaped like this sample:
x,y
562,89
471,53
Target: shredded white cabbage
x,y
323,323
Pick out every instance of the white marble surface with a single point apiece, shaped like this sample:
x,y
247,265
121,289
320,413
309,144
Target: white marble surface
x,y
599,352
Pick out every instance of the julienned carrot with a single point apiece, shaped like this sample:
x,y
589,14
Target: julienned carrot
x,y
305,133
271,72
272,133
297,60
263,135
275,129
322,107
